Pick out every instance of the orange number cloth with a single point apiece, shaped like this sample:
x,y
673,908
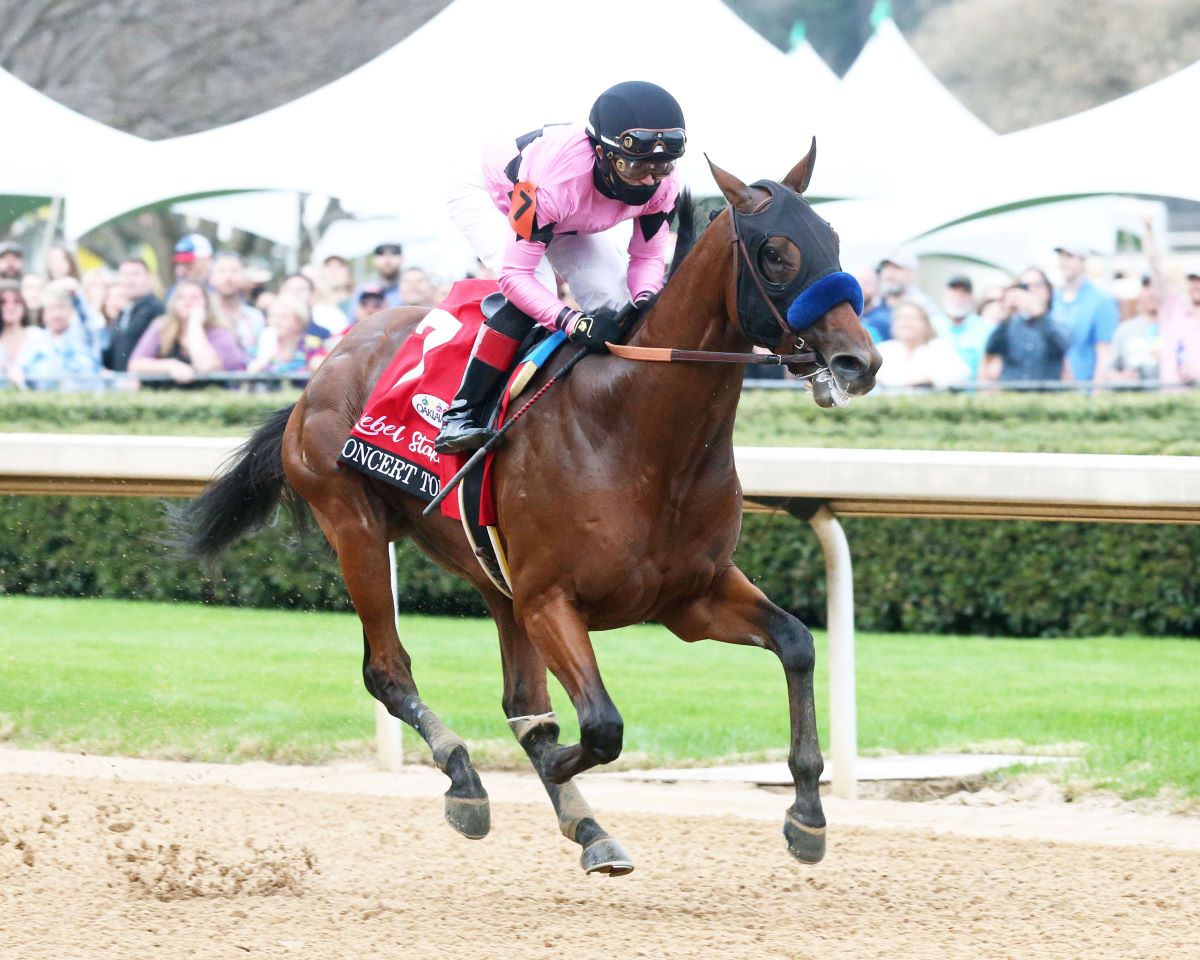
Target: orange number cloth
x,y
524,207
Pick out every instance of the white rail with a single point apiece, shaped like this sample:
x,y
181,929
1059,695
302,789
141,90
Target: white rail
x,y
816,484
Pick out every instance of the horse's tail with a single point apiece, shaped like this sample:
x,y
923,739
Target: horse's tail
x,y
244,497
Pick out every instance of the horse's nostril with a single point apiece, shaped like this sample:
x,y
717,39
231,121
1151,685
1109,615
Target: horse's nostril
x,y
848,366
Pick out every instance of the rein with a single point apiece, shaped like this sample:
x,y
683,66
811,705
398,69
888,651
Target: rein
x,y
672,355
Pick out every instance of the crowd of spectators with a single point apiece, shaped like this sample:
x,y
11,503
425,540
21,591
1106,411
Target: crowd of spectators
x,y
60,329
104,328
1031,332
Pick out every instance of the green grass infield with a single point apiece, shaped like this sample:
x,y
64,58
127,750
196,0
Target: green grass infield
x,y
222,684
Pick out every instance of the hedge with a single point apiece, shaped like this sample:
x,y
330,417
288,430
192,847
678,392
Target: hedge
x,y
1009,578
1002,578
1123,422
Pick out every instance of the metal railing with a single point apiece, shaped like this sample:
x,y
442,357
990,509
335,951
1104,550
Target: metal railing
x,y
811,484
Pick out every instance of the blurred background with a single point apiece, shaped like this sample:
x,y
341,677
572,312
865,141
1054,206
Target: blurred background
x,y
960,138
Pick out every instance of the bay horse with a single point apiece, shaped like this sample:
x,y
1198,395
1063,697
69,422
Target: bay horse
x,y
617,498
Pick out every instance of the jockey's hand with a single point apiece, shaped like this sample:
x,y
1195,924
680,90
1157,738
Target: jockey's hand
x,y
595,332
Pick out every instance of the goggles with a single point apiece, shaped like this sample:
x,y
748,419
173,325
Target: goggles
x,y
636,169
637,144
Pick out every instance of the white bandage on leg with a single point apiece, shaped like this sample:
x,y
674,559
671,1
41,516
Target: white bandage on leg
x,y
521,726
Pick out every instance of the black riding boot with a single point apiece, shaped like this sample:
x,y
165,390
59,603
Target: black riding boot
x,y
491,358
461,426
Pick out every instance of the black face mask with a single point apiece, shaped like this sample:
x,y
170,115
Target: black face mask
x,y
786,215
613,187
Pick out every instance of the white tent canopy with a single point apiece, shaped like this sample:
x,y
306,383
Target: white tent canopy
x,y
810,74
890,115
1097,153
71,149
889,132
477,68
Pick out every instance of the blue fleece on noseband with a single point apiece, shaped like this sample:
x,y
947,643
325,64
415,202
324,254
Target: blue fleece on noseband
x,y
823,296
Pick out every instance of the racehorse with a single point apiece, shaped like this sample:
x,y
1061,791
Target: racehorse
x,y
617,497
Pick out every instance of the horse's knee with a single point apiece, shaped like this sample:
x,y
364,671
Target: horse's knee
x,y
602,733
794,642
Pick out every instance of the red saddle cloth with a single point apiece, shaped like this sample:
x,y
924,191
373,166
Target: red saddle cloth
x,y
393,439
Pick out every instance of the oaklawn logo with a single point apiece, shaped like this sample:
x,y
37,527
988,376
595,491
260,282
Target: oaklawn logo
x,y
430,408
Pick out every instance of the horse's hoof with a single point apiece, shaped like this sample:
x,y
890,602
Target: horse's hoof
x,y
470,816
606,856
806,844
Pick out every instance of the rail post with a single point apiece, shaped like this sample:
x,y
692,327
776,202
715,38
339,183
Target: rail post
x,y
389,739
843,711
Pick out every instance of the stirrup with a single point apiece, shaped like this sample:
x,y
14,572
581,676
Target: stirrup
x,y
461,436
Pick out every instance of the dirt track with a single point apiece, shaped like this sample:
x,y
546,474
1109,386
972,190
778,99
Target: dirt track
x,y
121,859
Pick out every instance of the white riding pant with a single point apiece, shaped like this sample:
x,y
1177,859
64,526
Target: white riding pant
x,y
592,264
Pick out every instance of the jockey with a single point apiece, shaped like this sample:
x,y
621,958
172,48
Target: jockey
x,y
538,205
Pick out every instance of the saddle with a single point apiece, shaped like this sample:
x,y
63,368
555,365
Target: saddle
x,y
392,441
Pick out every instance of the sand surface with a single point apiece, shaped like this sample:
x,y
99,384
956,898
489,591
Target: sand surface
x,y
102,857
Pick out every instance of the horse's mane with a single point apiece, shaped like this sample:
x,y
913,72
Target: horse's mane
x,y
685,237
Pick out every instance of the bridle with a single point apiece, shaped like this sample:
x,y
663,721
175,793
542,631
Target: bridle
x,y
787,334
789,337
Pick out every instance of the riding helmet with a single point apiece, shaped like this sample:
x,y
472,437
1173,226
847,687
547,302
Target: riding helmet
x,y
634,121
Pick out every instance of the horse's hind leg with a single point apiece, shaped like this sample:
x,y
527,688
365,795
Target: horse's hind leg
x,y
533,723
387,673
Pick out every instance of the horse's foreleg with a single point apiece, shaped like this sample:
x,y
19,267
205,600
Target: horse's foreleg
x,y
387,672
736,611
560,638
533,723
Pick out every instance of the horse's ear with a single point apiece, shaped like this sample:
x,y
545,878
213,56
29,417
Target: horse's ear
x,y
800,175
740,196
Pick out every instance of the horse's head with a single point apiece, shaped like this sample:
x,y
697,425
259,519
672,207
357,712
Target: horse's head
x,y
791,292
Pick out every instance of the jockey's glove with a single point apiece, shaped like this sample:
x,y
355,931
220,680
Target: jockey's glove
x,y
595,332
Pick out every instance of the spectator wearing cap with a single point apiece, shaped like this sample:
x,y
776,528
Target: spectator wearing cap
x,y
1088,313
193,258
1029,344
1135,345
966,330
370,300
1178,318
388,260
915,356
12,261
897,272
225,281
141,309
